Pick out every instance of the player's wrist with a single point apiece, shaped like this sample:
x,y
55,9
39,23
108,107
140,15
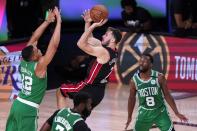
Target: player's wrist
x,y
47,21
176,113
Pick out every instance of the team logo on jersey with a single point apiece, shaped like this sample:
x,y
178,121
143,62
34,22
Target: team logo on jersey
x,y
153,82
133,46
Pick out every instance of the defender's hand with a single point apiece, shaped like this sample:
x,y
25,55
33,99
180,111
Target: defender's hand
x,y
56,11
51,16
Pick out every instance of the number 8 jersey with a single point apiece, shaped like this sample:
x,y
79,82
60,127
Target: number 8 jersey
x,y
149,92
33,88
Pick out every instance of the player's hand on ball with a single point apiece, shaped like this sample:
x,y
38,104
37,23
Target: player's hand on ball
x,y
102,22
86,16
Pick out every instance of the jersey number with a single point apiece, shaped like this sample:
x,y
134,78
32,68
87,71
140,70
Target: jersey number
x,y
27,81
150,101
59,128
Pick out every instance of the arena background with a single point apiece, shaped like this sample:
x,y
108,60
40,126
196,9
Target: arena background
x,y
175,57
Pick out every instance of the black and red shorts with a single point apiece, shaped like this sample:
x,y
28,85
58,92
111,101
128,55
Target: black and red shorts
x,y
96,91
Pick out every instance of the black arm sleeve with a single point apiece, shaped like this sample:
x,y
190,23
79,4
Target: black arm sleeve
x,y
50,120
81,126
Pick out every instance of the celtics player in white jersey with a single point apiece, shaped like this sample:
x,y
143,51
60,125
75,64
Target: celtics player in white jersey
x,y
33,68
151,88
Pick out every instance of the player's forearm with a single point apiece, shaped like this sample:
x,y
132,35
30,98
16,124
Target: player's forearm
x,y
87,25
131,105
172,103
83,41
39,31
179,21
56,34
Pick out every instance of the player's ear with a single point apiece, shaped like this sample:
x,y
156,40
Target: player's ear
x,y
113,40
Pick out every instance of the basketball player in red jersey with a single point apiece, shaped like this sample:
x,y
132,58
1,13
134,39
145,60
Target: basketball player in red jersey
x,y
105,57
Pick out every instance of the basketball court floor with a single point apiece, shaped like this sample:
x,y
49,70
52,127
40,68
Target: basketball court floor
x,y
111,113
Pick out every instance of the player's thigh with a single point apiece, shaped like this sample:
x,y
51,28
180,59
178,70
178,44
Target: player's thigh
x,y
96,92
29,123
11,124
14,116
142,126
164,122
27,117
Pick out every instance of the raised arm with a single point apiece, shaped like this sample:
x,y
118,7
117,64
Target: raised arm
x,y
53,45
91,46
131,102
169,98
39,31
87,19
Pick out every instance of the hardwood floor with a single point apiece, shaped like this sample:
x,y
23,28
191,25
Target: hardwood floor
x,y
111,114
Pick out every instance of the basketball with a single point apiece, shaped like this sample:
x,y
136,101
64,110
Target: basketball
x,y
98,12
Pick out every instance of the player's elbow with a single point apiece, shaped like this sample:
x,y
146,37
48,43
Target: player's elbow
x,y
80,45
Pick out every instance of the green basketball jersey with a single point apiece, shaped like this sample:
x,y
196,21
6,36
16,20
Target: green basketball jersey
x,y
149,92
65,120
33,88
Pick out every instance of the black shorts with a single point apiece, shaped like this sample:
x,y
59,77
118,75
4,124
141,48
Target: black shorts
x,y
97,93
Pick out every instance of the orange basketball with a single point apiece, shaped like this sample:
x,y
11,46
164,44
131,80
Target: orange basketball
x,y
98,12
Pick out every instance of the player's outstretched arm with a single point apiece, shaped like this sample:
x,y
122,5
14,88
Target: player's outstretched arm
x,y
39,31
169,99
52,48
131,103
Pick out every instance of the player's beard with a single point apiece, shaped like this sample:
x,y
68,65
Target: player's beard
x,y
86,113
106,43
143,70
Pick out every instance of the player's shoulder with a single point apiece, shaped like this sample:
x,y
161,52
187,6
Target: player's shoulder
x,y
160,76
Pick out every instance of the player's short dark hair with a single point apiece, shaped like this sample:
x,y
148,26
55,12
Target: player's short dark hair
x,y
81,97
27,52
150,56
116,33
131,3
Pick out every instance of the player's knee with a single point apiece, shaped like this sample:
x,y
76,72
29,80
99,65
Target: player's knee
x,y
58,92
61,93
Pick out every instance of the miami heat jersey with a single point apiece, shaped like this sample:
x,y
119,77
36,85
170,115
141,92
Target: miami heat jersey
x,y
99,73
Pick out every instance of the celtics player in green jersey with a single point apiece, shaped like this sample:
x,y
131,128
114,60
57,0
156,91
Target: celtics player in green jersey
x,y
68,119
33,68
151,88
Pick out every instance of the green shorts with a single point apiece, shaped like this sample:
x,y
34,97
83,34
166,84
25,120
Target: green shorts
x,y
22,117
147,118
